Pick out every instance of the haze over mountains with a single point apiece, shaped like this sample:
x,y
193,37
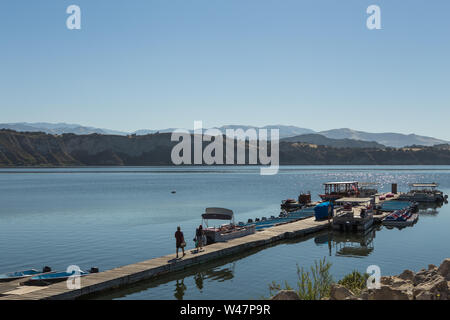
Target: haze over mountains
x,y
57,128
389,139
347,137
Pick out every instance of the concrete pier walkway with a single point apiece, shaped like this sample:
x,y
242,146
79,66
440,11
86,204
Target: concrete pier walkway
x,y
130,274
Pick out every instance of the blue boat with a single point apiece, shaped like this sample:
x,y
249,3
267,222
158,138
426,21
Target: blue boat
x,y
290,217
18,275
395,205
54,277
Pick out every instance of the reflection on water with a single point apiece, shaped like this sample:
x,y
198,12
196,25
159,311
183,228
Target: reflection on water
x,y
199,277
348,244
221,274
361,244
180,288
430,209
214,274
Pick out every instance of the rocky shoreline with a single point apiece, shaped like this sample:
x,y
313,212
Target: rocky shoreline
x,y
432,283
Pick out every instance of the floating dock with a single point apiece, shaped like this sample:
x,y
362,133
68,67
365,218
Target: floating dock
x,y
352,219
133,273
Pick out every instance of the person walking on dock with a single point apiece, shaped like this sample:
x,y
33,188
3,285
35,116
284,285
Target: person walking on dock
x,y
199,238
179,237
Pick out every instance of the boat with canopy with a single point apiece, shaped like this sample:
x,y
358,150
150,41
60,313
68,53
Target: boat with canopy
x,y
223,232
424,192
337,190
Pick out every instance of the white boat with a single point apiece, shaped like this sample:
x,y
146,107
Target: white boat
x,y
224,232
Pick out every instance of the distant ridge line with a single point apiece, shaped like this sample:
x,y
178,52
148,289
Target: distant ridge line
x,y
388,139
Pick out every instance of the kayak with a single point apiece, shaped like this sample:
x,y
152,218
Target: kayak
x,y
18,275
54,277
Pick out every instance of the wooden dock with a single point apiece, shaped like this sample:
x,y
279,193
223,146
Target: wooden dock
x,y
130,274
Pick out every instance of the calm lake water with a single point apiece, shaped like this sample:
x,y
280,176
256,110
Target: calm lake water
x,y
109,217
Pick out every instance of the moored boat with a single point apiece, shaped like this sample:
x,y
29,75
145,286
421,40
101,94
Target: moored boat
x,y
224,232
290,205
53,277
337,190
283,218
400,218
18,275
353,214
424,192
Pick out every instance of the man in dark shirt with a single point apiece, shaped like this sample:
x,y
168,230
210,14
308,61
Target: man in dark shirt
x,y
199,237
180,240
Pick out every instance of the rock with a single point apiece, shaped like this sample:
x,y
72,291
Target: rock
x,y
387,280
389,293
424,276
399,282
286,295
427,284
402,284
435,288
407,275
339,292
444,269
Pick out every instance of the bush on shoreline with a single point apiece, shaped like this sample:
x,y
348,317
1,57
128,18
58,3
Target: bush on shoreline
x,y
432,283
311,285
355,281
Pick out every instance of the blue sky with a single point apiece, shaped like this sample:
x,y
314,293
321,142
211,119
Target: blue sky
x,y
165,63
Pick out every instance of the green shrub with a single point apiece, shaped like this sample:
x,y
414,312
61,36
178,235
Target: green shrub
x,y
311,285
354,281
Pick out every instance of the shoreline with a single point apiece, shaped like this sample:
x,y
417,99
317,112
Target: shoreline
x,y
432,283
320,166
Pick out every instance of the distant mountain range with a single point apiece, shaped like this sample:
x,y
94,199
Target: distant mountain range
x,y
57,128
346,137
389,139
40,149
